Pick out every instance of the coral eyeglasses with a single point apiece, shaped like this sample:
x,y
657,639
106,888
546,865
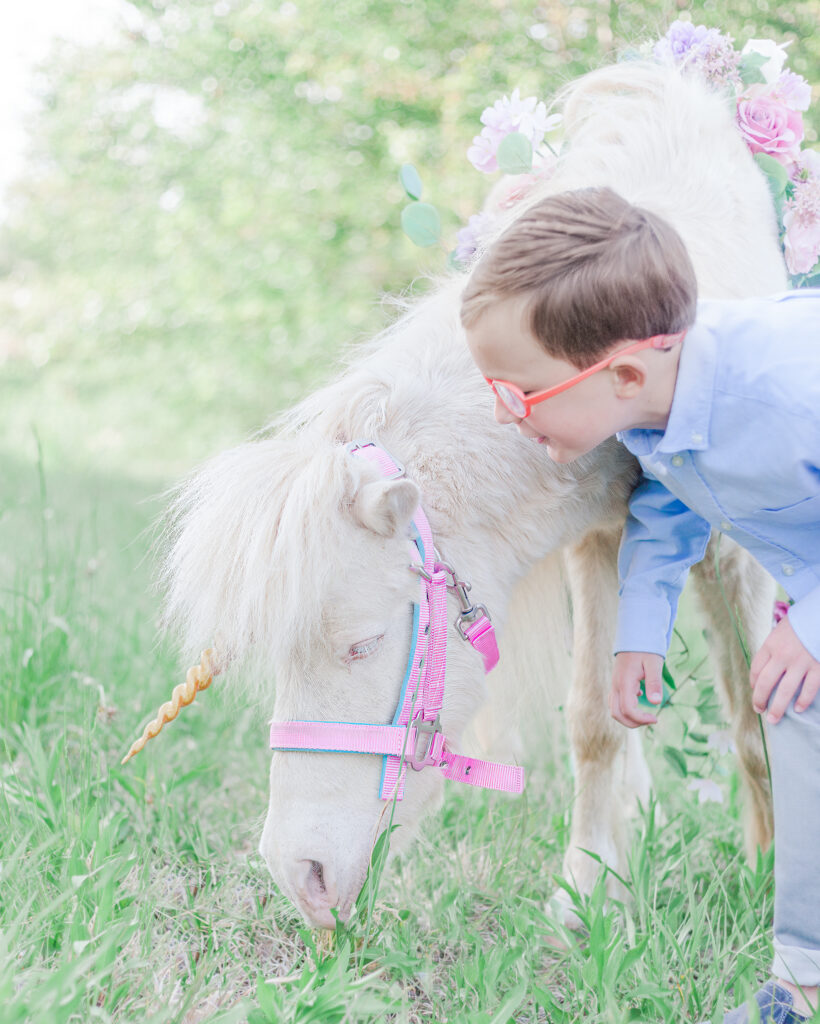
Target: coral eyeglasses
x,y
520,404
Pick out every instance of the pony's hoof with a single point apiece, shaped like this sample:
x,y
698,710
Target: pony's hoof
x,y
560,908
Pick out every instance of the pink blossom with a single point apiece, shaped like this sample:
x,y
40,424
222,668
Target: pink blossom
x,y
802,223
801,244
512,188
780,611
807,166
528,116
482,153
507,115
768,126
793,90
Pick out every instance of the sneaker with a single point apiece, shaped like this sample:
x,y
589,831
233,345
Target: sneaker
x,y
775,1005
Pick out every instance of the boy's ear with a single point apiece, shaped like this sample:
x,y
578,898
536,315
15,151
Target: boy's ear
x,y
628,376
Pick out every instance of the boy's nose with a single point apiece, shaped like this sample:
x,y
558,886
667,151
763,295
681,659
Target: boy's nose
x,y
502,413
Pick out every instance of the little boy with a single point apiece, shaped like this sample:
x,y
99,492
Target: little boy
x,y
583,318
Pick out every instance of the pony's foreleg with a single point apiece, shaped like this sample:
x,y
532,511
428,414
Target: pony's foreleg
x,y
739,605
610,772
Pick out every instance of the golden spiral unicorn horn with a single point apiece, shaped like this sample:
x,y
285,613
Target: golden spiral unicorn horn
x,y
198,677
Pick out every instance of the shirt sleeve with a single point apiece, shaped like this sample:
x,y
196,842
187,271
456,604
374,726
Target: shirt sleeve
x,y
662,538
804,615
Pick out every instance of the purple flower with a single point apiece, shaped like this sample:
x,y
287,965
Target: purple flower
x,y
470,237
704,50
718,62
683,38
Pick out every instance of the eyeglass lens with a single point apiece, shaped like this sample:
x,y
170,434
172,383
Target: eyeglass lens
x,y
511,400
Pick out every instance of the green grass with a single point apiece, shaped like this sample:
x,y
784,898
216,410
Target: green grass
x,y
137,893
138,341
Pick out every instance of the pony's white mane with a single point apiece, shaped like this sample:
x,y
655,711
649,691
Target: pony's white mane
x,y
249,571
253,535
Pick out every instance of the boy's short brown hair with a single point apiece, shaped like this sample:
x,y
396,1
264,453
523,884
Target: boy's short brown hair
x,y
597,268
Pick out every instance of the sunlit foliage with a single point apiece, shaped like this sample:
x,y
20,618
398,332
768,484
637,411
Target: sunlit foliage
x,y
211,209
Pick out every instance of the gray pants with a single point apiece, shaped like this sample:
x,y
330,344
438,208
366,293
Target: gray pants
x,y
794,753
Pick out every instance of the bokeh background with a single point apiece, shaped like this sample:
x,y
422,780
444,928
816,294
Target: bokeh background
x,y
207,216
210,206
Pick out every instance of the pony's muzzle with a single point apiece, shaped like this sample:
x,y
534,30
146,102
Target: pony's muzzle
x,y
314,886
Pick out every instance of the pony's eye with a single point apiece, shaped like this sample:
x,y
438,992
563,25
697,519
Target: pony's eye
x,y
364,648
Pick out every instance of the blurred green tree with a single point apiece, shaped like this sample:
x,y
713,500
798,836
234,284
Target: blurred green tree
x,y
211,209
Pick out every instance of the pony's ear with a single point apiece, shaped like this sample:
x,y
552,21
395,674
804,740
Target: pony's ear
x,y
386,506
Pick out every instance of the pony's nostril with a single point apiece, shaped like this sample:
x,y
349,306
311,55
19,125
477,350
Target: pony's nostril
x,y
316,886
317,875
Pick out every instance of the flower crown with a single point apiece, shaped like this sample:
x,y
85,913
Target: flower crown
x,y
769,99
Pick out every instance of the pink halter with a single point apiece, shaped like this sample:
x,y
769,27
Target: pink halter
x,y
415,738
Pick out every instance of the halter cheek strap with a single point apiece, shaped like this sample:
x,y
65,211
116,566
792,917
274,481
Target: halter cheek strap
x,y
415,737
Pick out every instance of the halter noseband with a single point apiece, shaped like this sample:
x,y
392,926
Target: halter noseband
x,y
415,737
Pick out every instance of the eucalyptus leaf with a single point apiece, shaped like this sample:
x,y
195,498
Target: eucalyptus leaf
x,y
750,68
411,181
514,154
775,172
677,760
421,223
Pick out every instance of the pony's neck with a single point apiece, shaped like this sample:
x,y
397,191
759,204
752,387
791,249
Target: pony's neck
x,y
496,502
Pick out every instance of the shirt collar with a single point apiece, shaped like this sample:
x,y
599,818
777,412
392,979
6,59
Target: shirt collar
x,y
688,426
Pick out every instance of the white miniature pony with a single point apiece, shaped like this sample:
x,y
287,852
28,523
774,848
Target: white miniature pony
x,y
292,556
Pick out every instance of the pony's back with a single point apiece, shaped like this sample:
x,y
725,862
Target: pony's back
x,y
667,142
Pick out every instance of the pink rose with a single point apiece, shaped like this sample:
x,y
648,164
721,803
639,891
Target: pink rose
x,y
802,241
769,126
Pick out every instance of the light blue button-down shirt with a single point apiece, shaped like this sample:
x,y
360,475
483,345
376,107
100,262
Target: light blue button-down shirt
x,y
740,454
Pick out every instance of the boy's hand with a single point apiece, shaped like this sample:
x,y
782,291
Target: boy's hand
x,y
783,659
630,668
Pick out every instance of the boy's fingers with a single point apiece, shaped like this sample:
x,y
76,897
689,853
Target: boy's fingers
x,y
758,663
811,687
624,709
653,686
768,678
787,688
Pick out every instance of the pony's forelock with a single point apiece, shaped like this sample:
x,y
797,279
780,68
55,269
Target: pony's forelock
x,y
253,546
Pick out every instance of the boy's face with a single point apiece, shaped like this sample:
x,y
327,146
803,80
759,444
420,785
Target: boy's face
x,y
569,424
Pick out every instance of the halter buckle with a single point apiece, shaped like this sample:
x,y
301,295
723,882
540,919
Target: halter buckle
x,y
469,617
353,446
429,730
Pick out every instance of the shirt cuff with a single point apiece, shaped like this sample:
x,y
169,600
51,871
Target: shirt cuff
x,y
643,625
804,615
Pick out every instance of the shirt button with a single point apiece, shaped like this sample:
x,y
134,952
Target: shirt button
x,y
788,570
677,460
725,525
696,437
